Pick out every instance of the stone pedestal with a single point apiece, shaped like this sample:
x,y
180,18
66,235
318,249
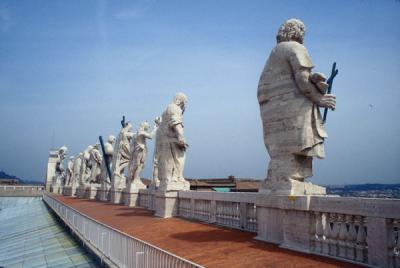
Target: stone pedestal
x,y
91,191
151,203
284,220
131,193
131,199
80,191
103,193
116,195
69,190
174,186
166,204
56,188
269,226
291,187
377,240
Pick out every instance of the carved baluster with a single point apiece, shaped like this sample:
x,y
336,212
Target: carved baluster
x,y
361,244
334,236
319,232
343,236
237,214
230,213
327,233
351,238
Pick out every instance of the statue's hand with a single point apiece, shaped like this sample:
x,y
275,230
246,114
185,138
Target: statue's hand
x,y
327,101
182,143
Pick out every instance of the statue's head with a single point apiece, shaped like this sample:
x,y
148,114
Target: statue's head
x,y
111,139
157,120
71,157
180,99
97,146
291,30
62,151
128,126
144,126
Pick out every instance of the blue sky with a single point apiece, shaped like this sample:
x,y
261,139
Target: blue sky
x,y
70,69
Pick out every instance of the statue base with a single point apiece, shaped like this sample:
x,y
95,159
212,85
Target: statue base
x,y
131,199
131,193
151,199
103,193
91,191
80,191
182,185
69,191
291,187
116,196
56,188
166,204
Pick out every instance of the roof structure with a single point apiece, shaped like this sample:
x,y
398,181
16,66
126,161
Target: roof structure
x,y
204,244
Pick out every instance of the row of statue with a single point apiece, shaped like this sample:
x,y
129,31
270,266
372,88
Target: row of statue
x,y
289,93
119,162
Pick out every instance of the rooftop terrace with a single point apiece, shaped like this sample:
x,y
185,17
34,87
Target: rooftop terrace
x,y
204,244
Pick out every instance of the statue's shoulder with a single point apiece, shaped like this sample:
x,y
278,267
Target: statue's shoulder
x,y
173,108
296,53
290,47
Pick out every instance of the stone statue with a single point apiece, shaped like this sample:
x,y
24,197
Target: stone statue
x,y
86,166
70,173
105,179
172,146
289,95
77,169
95,163
138,157
108,154
121,156
59,176
156,181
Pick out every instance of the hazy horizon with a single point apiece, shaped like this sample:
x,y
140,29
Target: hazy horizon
x,y
70,70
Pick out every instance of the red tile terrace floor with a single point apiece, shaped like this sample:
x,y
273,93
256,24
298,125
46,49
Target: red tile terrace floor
x,y
204,244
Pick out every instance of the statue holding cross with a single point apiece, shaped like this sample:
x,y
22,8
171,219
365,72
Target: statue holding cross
x,y
290,94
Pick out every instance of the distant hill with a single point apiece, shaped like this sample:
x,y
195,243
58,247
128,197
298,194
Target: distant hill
x,y
373,190
5,176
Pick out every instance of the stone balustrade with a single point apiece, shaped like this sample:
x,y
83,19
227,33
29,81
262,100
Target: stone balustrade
x,y
235,210
358,230
21,190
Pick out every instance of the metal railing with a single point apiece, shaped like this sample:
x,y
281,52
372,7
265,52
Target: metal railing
x,y
122,249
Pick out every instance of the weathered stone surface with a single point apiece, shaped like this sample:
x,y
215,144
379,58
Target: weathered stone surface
x,y
51,168
59,174
166,204
138,158
172,147
95,163
289,101
121,157
105,180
